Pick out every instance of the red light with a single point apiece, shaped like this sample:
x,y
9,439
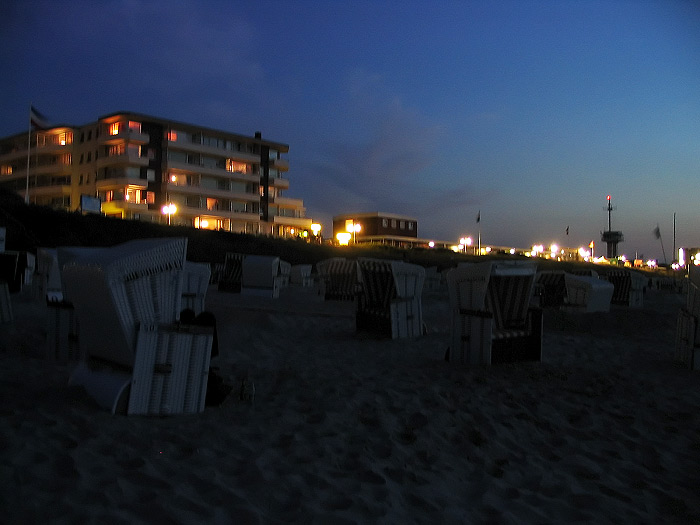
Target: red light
x,y
608,197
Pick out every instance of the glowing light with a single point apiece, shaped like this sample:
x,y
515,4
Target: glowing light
x,y
343,238
173,178
291,231
114,129
457,248
608,197
512,251
204,223
316,228
681,256
431,244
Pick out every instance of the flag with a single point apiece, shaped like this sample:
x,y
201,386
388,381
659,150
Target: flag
x,y
478,217
567,230
37,120
657,232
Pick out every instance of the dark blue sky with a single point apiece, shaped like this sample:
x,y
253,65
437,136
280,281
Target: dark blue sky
x,y
530,111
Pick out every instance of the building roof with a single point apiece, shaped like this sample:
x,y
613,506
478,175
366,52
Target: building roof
x,y
374,214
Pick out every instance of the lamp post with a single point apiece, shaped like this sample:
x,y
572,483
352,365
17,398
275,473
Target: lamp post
x,y
353,227
169,209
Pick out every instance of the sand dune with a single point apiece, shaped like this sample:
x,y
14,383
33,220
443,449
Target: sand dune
x,y
345,428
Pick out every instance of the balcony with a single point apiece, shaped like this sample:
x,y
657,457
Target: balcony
x,y
186,168
280,164
121,182
191,147
287,202
297,222
279,183
128,158
177,189
135,137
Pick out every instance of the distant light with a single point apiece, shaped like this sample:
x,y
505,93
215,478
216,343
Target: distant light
x,y
173,178
681,256
203,223
608,197
169,209
316,228
431,244
512,251
343,238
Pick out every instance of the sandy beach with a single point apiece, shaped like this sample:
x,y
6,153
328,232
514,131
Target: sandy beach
x,y
345,428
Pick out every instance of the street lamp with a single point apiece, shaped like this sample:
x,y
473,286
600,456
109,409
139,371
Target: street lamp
x,y
169,209
353,227
465,242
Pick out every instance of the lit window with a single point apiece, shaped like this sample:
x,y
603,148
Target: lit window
x,y
134,127
172,136
6,170
114,129
236,167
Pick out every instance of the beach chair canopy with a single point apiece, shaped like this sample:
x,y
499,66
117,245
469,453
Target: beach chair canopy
x,y
115,289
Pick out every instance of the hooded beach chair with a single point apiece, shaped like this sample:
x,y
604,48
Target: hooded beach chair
x,y
262,275
688,325
195,283
127,299
338,278
587,294
629,287
230,277
492,320
389,299
300,275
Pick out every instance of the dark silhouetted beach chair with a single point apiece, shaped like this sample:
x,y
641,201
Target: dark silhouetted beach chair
x,y
492,320
688,325
300,275
629,287
338,278
389,298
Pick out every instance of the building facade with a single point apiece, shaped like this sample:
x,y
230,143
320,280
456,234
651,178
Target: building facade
x,y
147,168
381,228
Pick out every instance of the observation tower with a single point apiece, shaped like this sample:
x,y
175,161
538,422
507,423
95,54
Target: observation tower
x,y
609,237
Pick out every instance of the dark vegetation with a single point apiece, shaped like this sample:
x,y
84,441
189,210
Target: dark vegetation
x,y
30,227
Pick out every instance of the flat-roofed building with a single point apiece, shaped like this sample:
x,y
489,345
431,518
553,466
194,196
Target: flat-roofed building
x,y
138,164
382,228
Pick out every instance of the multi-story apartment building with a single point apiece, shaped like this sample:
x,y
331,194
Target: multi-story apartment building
x,y
137,165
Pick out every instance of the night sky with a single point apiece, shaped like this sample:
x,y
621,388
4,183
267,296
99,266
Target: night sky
x,y
529,111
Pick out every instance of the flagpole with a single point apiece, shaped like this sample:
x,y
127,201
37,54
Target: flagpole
x,y
29,152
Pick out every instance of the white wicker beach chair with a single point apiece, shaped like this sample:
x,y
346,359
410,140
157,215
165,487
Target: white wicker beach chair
x,y
492,321
261,276
195,283
389,301
688,325
587,294
300,275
